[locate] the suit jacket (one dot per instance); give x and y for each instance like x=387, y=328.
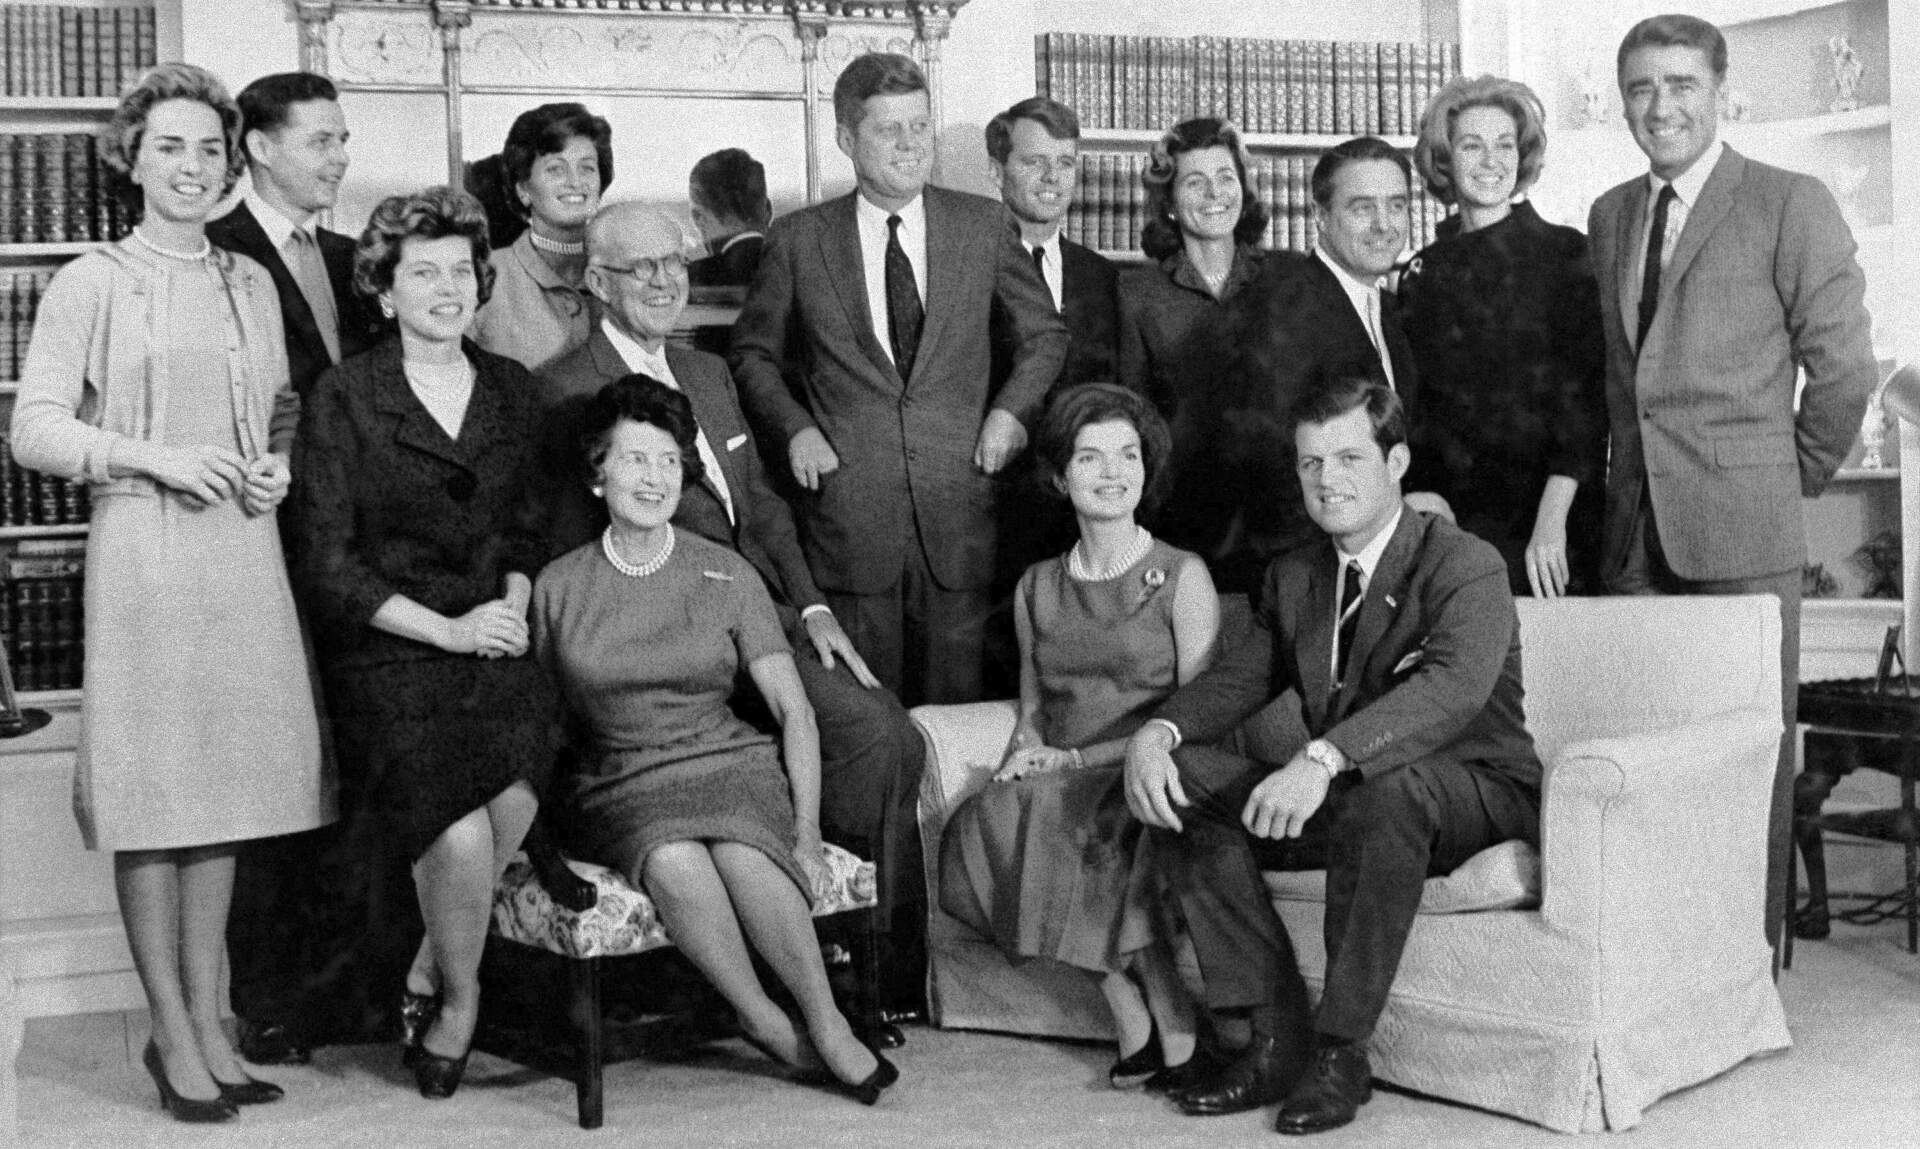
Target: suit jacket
x=386, y=504
x=1235, y=499
x=905, y=445
x=732, y=266
x=762, y=530
x=1437, y=652
x=1763, y=280
x=360, y=327
x=1090, y=306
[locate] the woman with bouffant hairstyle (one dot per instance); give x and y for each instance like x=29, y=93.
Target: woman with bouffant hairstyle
x=157, y=375
x=419, y=533
x=1503, y=315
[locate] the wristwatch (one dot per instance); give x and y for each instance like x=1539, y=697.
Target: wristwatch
x=1327, y=756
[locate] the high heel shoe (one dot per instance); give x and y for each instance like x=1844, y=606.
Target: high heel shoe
x=185, y=1108
x=417, y=1011
x=1139, y=1065
x=868, y=1091
x=438, y=1077
x=249, y=1092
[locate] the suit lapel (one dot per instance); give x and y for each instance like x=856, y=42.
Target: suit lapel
x=1341, y=310
x=1315, y=648
x=1386, y=592
x=840, y=249
x=251, y=241
x=416, y=427
x=1627, y=225
x=944, y=255
x=1716, y=200
x=709, y=410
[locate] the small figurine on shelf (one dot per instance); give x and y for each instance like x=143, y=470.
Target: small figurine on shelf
x=1879, y=560
x=1846, y=74
x=1593, y=94
x=1815, y=582
x=1738, y=107
x=1873, y=431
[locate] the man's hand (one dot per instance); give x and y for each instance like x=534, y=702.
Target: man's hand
x=1152, y=779
x=1283, y=801
x=830, y=640
x=811, y=457
x=1001, y=438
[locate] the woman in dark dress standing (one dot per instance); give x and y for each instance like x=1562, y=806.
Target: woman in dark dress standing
x=1503, y=315
x=419, y=536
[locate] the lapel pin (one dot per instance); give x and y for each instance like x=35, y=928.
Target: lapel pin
x=718, y=576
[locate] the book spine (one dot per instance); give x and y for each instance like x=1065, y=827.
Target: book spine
x=1136, y=202
x=1042, y=83
x=28, y=188
x=53, y=182
x=1324, y=121
x=1369, y=62
x=77, y=155
x=70, y=52
x=146, y=39
x=103, y=59
x=126, y=48
x=9, y=190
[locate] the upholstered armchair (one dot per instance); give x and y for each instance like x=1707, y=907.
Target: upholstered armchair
x=1628, y=962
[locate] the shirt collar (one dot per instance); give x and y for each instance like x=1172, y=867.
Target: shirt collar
x=737, y=237
x=1051, y=247
x=1369, y=556
x=1688, y=184
x=636, y=357
x=913, y=217
x=277, y=226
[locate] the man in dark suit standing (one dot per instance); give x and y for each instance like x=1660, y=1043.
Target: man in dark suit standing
x=728, y=194
x=1233, y=500
x=299, y=930
x=1721, y=281
x=882, y=299
x=1395, y=644
x=871, y=756
x=295, y=137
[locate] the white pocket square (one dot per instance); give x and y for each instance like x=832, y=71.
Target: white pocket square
x=735, y=443
x=1411, y=660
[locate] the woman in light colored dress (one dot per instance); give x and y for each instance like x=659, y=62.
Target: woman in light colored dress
x=158, y=376
x=1043, y=860
x=646, y=629
x=557, y=162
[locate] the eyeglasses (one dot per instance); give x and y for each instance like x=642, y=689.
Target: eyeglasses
x=645, y=270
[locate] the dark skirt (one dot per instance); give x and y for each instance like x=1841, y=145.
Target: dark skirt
x=1049, y=867
x=631, y=806
x=438, y=738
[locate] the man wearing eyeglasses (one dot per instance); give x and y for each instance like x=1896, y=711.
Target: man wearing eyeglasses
x=871, y=755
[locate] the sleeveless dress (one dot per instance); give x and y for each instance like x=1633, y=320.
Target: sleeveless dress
x=1046, y=866
x=649, y=665
x=198, y=722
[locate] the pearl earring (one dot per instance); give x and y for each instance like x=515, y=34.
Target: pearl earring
x=386, y=307
x=599, y=492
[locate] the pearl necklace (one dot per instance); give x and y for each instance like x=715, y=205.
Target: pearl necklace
x=1077, y=561
x=557, y=247
x=206, y=248
x=630, y=570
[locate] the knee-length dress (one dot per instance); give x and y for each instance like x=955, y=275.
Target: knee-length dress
x=198, y=721
x=1046, y=865
x=386, y=503
x=647, y=664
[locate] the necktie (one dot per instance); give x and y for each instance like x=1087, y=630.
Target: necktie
x=904, y=314
x=1040, y=261
x=1351, y=596
x=1650, y=280
x=310, y=272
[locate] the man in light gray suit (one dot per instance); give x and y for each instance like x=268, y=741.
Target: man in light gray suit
x=893, y=427
x=1720, y=279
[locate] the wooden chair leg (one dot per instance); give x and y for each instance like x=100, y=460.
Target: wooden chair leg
x=585, y=975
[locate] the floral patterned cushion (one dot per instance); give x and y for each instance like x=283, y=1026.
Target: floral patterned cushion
x=623, y=920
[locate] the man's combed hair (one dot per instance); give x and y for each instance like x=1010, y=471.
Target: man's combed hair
x=1348, y=388
x=264, y=103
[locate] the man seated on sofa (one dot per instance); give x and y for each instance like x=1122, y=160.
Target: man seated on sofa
x=1398, y=640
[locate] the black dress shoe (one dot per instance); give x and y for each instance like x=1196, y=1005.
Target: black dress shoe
x=1142, y=1063
x=438, y=1077
x=185, y=1109
x=417, y=1011
x=868, y=1090
x=1178, y=1080
x=886, y=1035
x=1259, y=1075
x=1337, y=1084
x=272, y=1043
x=250, y=1092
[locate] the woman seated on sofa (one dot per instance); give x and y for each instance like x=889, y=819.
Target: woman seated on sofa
x=646, y=630
x=1042, y=861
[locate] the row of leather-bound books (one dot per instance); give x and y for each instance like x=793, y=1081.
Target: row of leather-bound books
x=20, y=293
x=69, y=50
x=54, y=189
x=31, y=499
x=1266, y=86
x=1110, y=202
x=41, y=614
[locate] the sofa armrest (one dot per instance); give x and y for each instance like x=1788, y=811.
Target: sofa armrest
x=964, y=746
x=1657, y=838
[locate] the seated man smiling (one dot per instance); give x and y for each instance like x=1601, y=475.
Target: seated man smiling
x=1398, y=637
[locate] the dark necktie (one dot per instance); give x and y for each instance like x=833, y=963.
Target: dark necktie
x=1040, y=262
x=1650, y=280
x=1351, y=596
x=904, y=314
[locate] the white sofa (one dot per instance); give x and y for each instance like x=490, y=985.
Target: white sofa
x=1641, y=971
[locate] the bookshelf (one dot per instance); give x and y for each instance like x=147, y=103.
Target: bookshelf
x=1292, y=99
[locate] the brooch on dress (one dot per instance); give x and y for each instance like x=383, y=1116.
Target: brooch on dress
x=718, y=576
x=1154, y=578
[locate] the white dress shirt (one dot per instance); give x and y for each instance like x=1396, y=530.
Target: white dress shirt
x=654, y=363
x=1052, y=270
x=1365, y=298
x=872, y=222
x=1369, y=560
x=1686, y=193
